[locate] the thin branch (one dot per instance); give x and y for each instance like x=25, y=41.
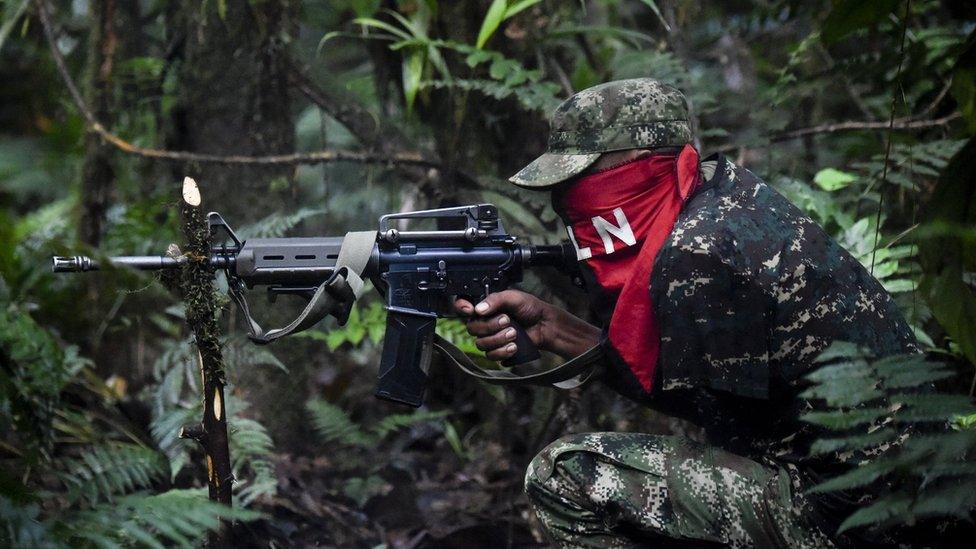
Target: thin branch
x=891, y=123
x=902, y=124
x=360, y=122
x=318, y=157
x=938, y=99
x=194, y=432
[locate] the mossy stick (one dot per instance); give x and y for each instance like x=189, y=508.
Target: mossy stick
x=199, y=296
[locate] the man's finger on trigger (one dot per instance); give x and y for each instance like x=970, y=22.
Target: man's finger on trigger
x=463, y=306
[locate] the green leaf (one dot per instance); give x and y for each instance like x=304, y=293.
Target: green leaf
x=382, y=25
x=361, y=490
x=493, y=18
x=830, y=179
x=519, y=6
x=857, y=477
x=634, y=38
x=454, y=440
x=965, y=422
x=852, y=443
x=933, y=407
x=11, y=20
x=899, y=286
x=954, y=306
x=878, y=512
x=844, y=419
x=657, y=11
x=413, y=70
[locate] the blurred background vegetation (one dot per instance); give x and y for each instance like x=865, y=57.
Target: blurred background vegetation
x=861, y=113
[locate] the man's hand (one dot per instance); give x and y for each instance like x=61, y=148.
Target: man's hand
x=550, y=328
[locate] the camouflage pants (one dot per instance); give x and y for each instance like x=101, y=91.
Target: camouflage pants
x=636, y=490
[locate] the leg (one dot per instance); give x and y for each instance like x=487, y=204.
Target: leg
x=631, y=490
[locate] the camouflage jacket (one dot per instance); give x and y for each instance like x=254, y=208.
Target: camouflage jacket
x=748, y=291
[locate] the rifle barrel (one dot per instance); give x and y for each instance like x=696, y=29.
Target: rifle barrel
x=561, y=256
x=80, y=263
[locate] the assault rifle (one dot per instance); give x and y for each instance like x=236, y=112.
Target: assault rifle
x=419, y=272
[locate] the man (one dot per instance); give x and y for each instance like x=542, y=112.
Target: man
x=716, y=294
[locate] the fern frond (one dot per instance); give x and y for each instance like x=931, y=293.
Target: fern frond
x=845, y=419
x=248, y=439
x=333, y=425
x=277, y=224
x=541, y=96
x=933, y=407
x=20, y=525
x=857, y=477
x=867, y=442
x=263, y=482
x=175, y=518
x=924, y=465
x=35, y=371
x=240, y=353
x=250, y=448
x=165, y=430
x=396, y=422
x=104, y=472
x=882, y=511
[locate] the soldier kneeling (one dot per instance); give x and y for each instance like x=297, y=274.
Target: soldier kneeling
x=715, y=295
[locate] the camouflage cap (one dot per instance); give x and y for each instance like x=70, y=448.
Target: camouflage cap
x=623, y=114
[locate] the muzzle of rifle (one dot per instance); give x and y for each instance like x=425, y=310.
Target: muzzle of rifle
x=81, y=264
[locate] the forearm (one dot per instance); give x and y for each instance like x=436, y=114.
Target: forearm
x=567, y=335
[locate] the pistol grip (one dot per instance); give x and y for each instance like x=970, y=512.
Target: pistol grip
x=526, y=349
x=407, y=348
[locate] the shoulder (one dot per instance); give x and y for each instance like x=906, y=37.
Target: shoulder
x=737, y=223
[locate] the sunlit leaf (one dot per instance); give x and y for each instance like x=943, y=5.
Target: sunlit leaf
x=493, y=18
x=382, y=25
x=830, y=179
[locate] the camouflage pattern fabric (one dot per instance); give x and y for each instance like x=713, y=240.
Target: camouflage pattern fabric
x=639, y=113
x=633, y=490
x=747, y=291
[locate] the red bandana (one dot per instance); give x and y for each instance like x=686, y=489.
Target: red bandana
x=618, y=220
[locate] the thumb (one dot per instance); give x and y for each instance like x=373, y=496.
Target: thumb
x=510, y=301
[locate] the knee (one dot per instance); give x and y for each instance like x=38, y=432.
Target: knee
x=551, y=482
x=542, y=465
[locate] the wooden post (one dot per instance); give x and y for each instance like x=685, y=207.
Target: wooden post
x=197, y=286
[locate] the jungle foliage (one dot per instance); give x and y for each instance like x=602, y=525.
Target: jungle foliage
x=861, y=113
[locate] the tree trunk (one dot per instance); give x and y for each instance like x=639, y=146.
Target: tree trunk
x=233, y=99
x=97, y=174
